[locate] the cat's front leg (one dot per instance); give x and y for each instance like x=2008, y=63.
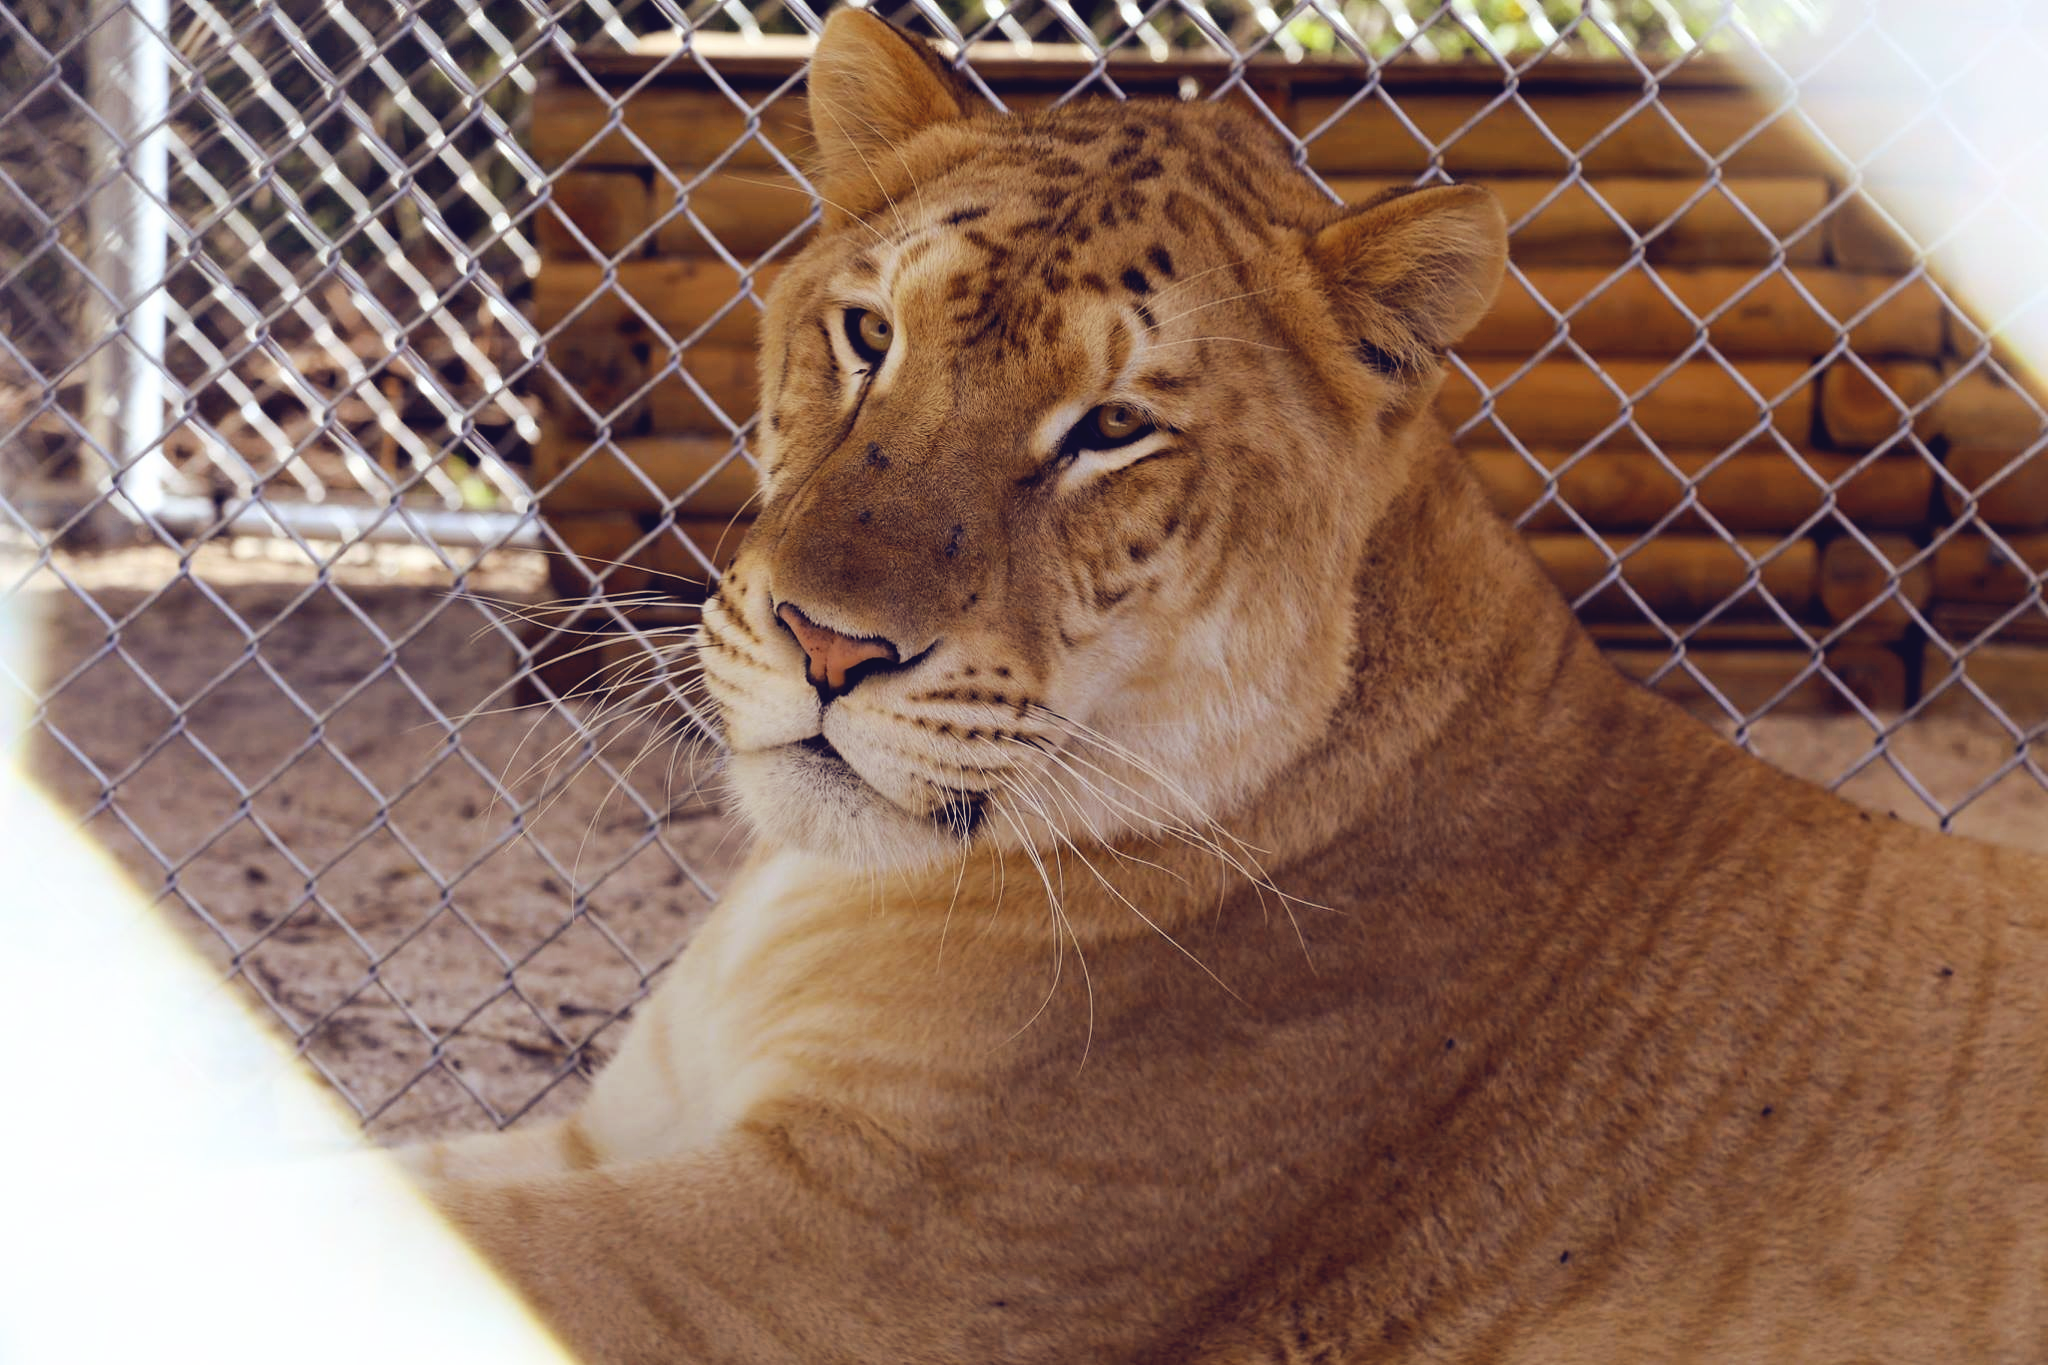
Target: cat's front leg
x=671, y=1086
x=773, y=1245
x=537, y=1149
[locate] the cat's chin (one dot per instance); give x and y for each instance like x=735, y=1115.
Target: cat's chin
x=800, y=798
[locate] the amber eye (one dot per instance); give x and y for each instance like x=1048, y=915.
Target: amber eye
x=1106, y=428
x=1118, y=422
x=869, y=334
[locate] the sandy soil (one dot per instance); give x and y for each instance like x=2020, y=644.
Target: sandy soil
x=378, y=892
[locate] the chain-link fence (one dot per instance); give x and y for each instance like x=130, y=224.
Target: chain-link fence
x=310, y=324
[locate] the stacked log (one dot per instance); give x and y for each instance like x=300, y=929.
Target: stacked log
x=1991, y=559
x=1713, y=392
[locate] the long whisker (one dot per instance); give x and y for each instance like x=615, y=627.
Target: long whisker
x=585, y=734
x=959, y=878
x=1063, y=929
x=1255, y=873
x=657, y=673
x=1172, y=819
x=813, y=194
x=593, y=685
x=916, y=187
x=525, y=604
x=1190, y=341
x=613, y=715
x=624, y=779
x=513, y=681
x=825, y=107
x=1110, y=746
x=1046, y=785
x=637, y=713
x=1181, y=284
x=1095, y=830
x=588, y=559
x=1132, y=906
x=557, y=620
x=1212, y=303
x=718, y=546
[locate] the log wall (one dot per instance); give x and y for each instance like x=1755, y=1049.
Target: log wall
x=1717, y=387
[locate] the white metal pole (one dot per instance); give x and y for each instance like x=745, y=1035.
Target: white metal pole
x=128, y=82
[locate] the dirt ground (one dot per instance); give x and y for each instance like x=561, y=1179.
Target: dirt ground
x=369, y=884
x=368, y=836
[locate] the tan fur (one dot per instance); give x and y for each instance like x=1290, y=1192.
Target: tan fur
x=1515, y=1016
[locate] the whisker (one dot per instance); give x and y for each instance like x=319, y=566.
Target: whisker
x=611, y=715
x=592, y=688
x=826, y=107
x=1130, y=756
x=1181, y=284
x=593, y=559
x=542, y=618
x=1212, y=303
x=624, y=779
x=1094, y=830
x=891, y=144
x=946, y=924
x=1189, y=341
x=596, y=753
x=718, y=546
x=813, y=194
x=513, y=681
x=1061, y=925
x=1255, y=873
x=1131, y=905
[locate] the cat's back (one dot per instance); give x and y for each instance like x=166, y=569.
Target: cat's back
x=1771, y=1083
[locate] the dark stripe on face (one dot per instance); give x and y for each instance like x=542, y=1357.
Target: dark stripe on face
x=831, y=356
x=1135, y=281
x=959, y=216
x=735, y=614
x=1119, y=347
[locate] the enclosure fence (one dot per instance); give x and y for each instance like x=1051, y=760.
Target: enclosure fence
x=361, y=362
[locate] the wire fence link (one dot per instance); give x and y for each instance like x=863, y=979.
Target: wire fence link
x=278, y=352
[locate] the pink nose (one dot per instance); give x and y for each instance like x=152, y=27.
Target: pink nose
x=830, y=656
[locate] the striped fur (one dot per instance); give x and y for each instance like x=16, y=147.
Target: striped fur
x=1515, y=1017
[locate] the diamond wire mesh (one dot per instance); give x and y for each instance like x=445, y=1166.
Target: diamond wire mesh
x=293, y=740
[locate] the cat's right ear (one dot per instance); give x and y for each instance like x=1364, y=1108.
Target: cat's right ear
x=1411, y=273
x=873, y=87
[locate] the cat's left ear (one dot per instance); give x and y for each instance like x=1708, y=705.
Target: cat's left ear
x=872, y=88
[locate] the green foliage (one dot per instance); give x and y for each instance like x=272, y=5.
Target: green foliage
x=1438, y=30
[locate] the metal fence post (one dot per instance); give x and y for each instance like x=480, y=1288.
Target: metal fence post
x=128, y=70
